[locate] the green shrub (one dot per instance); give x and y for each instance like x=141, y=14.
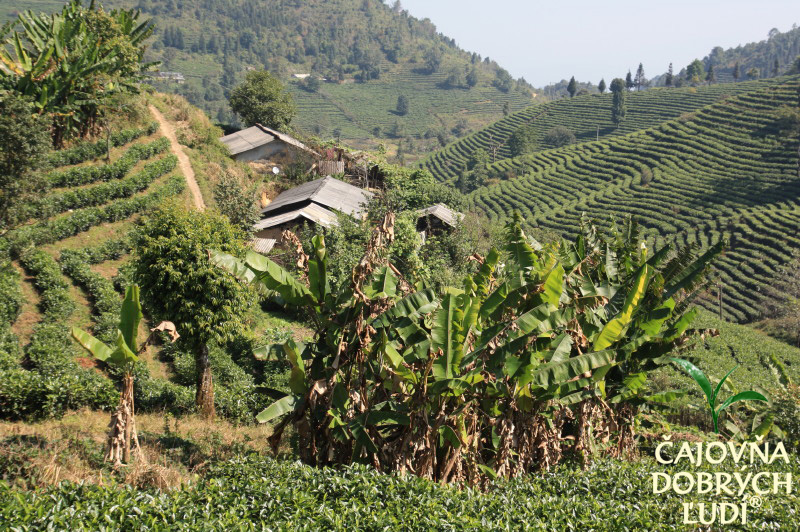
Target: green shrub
x=235, y=494
x=86, y=151
x=10, y=295
x=55, y=301
x=84, y=175
x=60, y=228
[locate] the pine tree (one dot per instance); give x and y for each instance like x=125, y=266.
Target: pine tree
x=168, y=39
x=602, y=86
x=640, y=78
x=629, y=81
x=776, y=68
x=572, y=87
x=737, y=72
x=670, y=77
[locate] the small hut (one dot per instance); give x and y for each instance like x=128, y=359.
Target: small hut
x=436, y=219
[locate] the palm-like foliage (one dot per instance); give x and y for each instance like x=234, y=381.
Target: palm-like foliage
x=123, y=357
x=713, y=395
x=546, y=352
x=74, y=62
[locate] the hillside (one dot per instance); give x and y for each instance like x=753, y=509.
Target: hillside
x=586, y=116
x=780, y=47
x=370, y=52
x=720, y=172
x=71, y=268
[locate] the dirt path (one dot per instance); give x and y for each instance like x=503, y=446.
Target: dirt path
x=183, y=161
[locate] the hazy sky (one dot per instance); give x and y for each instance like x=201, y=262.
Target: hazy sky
x=548, y=41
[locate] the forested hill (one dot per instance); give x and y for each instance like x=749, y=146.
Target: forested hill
x=771, y=57
x=372, y=53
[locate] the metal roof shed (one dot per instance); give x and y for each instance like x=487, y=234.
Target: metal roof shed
x=327, y=192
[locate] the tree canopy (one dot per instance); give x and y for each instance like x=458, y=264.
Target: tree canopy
x=179, y=284
x=263, y=99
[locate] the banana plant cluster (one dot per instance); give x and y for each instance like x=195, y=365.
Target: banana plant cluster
x=74, y=63
x=543, y=351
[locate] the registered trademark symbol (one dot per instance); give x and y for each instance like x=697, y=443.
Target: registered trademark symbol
x=755, y=501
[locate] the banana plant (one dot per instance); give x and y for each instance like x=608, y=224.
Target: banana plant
x=713, y=395
x=73, y=63
x=477, y=380
x=122, y=356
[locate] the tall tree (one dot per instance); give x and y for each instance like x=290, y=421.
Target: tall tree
x=433, y=59
x=178, y=283
x=711, y=76
x=737, y=72
x=670, y=77
x=572, y=87
x=695, y=72
x=776, y=68
x=262, y=99
x=629, y=81
x=522, y=141
x=795, y=68
x=472, y=78
x=506, y=108
x=618, y=106
x=602, y=86
x=754, y=73
x=640, y=80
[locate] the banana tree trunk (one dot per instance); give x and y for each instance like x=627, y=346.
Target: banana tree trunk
x=204, y=396
x=122, y=427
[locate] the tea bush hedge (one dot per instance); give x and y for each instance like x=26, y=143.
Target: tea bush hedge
x=258, y=493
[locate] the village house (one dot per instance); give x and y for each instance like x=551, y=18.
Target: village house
x=317, y=202
x=259, y=143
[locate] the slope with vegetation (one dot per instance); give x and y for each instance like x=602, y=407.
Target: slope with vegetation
x=369, y=52
x=586, y=116
x=724, y=172
x=768, y=58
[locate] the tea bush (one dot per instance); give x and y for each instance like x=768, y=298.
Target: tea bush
x=254, y=492
x=86, y=151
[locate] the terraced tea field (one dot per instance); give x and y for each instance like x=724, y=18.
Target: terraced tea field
x=69, y=253
x=722, y=172
x=586, y=116
x=358, y=109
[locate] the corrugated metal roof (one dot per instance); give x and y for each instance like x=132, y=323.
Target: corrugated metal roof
x=246, y=140
x=258, y=135
x=442, y=212
x=312, y=212
x=287, y=139
x=328, y=192
x=263, y=245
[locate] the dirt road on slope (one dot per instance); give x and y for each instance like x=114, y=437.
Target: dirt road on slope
x=183, y=161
